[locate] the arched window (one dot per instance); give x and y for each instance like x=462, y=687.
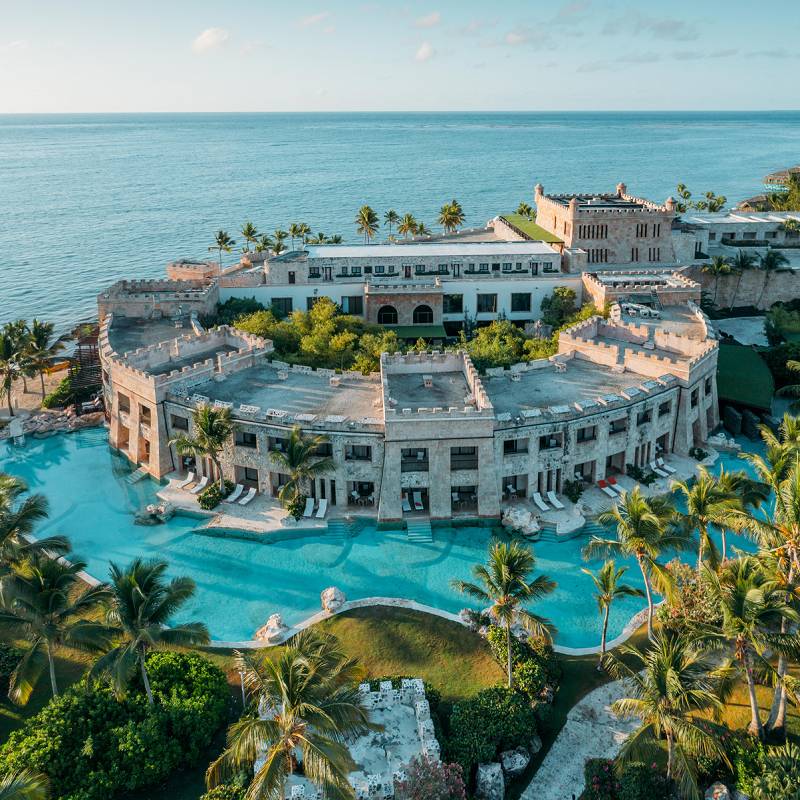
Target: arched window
x=387, y=315
x=423, y=315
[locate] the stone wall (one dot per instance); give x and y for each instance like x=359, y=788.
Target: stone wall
x=749, y=291
x=156, y=299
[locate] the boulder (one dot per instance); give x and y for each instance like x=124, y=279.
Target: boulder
x=514, y=762
x=274, y=629
x=332, y=599
x=535, y=744
x=489, y=782
x=520, y=519
x=717, y=791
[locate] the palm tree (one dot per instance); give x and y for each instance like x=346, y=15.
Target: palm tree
x=336, y=239
x=752, y=604
x=717, y=266
x=391, y=218
x=670, y=683
x=278, y=247
x=770, y=262
x=525, y=210
x=249, y=233
x=607, y=582
x=9, y=366
x=142, y=604
x=303, y=707
x=294, y=232
x=279, y=235
x=408, y=225
x=791, y=389
x=305, y=230
x=743, y=262
x=46, y=603
x=212, y=429
x=422, y=230
x=301, y=463
x=222, y=241
x=18, y=521
x=264, y=244
x=458, y=213
x=707, y=504
x=447, y=217
x=42, y=348
x=505, y=583
x=25, y=785
x=645, y=530
x=366, y=223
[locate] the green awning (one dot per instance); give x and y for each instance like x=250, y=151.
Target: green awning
x=419, y=331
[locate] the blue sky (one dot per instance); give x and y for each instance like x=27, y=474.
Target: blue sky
x=272, y=55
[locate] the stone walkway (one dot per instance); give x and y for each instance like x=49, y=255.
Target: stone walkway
x=591, y=731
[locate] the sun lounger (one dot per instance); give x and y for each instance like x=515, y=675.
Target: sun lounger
x=189, y=479
x=235, y=494
x=614, y=486
x=323, y=507
x=660, y=472
x=200, y=486
x=537, y=499
x=418, y=501
x=666, y=467
x=606, y=489
x=251, y=493
x=557, y=504
x=309, y=509
x=406, y=504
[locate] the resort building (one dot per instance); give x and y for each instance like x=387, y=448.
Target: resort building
x=427, y=433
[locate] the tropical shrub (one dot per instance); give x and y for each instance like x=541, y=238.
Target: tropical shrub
x=691, y=603
x=635, y=781
x=747, y=756
x=558, y=307
x=530, y=677
x=60, y=396
x=780, y=779
x=296, y=506
x=235, y=307
x=644, y=476
x=698, y=454
x=600, y=783
x=225, y=791
x=482, y=726
x=92, y=745
x=9, y=658
x=534, y=649
x=212, y=496
x=431, y=780
x=573, y=490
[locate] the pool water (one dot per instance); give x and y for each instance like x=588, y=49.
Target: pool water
x=241, y=582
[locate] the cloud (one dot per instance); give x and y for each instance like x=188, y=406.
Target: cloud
x=17, y=44
x=429, y=20
x=664, y=28
x=210, y=39
x=425, y=52
x=524, y=35
x=314, y=19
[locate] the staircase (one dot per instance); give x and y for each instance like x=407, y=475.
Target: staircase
x=419, y=531
x=338, y=530
x=137, y=475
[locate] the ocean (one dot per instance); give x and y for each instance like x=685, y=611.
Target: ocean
x=88, y=199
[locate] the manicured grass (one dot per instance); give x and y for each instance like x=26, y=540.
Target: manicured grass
x=535, y=232
x=744, y=378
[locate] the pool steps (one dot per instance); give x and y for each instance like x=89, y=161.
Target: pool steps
x=137, y=475
x=419, y=530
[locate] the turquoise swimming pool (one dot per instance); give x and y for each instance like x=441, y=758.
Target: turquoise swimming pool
x=241, y=582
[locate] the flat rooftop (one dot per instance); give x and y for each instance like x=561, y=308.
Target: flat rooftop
x=583, y=381
x=131, y=334
x=609, y=201
x=408, y=389
x=300, y=393
x=450, y=249
x=530, y=230
x=674, y=319
x=739, y=217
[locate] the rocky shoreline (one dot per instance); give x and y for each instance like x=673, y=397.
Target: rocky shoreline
x=44, y=422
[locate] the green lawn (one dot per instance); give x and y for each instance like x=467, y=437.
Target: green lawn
x=530, y=229
x=743, y=377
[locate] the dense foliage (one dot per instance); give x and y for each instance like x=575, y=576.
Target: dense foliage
x=9, y=658
x=690, y=603
x=535, y=662
x=226, y=791
x=431, y=780
x=64, y=394
x=780, y=779
x=212, y=495
x=559, y=307
x=92, y=745
x=482, y=726
x=635, y=781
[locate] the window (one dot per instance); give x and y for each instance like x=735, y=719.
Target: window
x=618, y=425
x=712, y=236
x=587, y=434
x=453, y=304
x=291, y=276
x=657, y=229
x=534, y=265
x=355, y=271
x=521, y=301
x=463, y=458
x=643, y=417
x=353, y=304
x=664, y=408
x=379, y=270
x=179, y=423
x=707, y=387
x=695, y=397
x=246, y=439
x=144, y=414
x=311, y=302
x=634, y=253
x=511, y=446
x=277, y=444
x=771, y=235
x=283, y=305
x=251, y=474
x=496, y=267
x=641, y=230
x=324, y=450
x=387, y=315
x=358, y=452
x=344, y=272
x=551, y=441
x=487, y=303
x=749, y=235
x=549, y=266
x=443, y=269
x=313, y=272
x=654, y=253
x=419, y=269
x=414, y=459
x=483, y=267
x=507, y=266
x=124, y=403
x=423, y=315
x=518, y=266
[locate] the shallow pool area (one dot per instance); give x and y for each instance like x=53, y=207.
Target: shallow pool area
x=241, y=582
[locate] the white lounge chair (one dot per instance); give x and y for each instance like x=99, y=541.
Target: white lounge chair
x=406, y=504
x=235, y=494
x=309, y=509
x=418, y=501
x=322, y=509
x=251, y=493
x=606, y=489
x=200, y=486
x=189, y=479
x=658, y=471
x=537, y=498
x=557, y=504
x=666, y=467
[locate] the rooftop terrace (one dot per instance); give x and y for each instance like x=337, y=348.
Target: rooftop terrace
x=609, y=201
x=448, y=389
x=126, y=335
